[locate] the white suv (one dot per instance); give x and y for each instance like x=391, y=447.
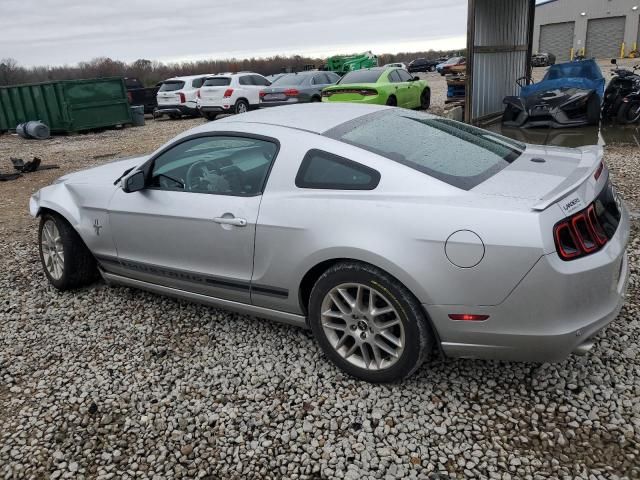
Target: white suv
x=177, y=96
x=230, y=93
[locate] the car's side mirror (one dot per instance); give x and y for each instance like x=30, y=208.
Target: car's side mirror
x=614, y=61
x=133, y=183
x=415, y=79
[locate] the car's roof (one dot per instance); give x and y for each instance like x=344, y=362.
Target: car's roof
x=188, y=77
x=313, y=117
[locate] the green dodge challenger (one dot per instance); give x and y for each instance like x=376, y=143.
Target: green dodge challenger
x=380, y=86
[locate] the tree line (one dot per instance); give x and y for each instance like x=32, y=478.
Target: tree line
x=151, y=72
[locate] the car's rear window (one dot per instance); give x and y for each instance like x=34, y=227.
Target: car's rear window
x=171, y=86
x=290, y=79
x=362, y=76
x=456, y=153
x=217, y=82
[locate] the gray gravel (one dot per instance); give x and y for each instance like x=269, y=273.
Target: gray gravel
x=117, y=383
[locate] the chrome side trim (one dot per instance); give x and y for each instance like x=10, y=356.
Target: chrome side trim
x=278, y=316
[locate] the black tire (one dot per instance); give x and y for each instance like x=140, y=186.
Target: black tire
x=392, y=101
x=510, y=113
x=417, y=333
x=174, y=116
x=432, y=69
x=315, y=99
x=79, y=266
x=209, y=116
x=593, y=110
x=238, y=108
x=425, y=99
x=629, y=113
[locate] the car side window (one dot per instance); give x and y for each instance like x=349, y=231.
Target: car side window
x=404, y=75
x=197, y=83
x=394, y=77
x=260, y=81
x=323, y=170
x=246, y=80
x=318, y=79
x=222, y=165
x=332, y=77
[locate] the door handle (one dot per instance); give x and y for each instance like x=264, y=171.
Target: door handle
x=236, y=222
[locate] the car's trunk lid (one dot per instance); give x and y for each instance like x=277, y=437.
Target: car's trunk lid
x=543, y=176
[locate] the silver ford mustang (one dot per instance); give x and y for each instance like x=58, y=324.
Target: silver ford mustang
x=390, y=233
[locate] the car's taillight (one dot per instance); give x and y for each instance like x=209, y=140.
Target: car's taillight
x=599, y=171
x=130, y=97
x=228, y=92
x=262, y=93
x=182, y=97
x=291, y=92
x=580, y=234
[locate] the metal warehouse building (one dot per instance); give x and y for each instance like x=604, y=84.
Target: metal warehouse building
x=594, y=28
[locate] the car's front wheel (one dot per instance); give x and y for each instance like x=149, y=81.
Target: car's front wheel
x=368, y=324
x=66, y=260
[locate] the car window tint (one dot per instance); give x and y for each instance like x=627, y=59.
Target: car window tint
x=171, y=86
x=217, y=82
x=290, y=79
x=404, y=75
x=319, y=79
x=394, y=77
x=260, y=81
x=362, y=76
x=333, y=78
x=456, y=153
x=223, y=165
x=197, y=83
x=324, y=170
x=246, y=80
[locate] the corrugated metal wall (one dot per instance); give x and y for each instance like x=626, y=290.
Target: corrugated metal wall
x=499, y=49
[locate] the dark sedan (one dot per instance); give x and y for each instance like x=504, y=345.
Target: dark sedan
x=422, y=65
x=295, y=88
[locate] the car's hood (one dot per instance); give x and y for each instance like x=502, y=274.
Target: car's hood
x=555, y=97
x=103, y=174
x=543, y=174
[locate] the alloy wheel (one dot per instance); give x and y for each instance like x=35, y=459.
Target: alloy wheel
x=52, y=249
x=362, y=326
x=242, y=107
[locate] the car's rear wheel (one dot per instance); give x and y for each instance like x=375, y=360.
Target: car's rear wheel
x=368, y=324
x=241, y=107
x=432, y=69
x=629, y=113
x=425, y=99
x=392, y=101
x=315, y=99
x=66, y=260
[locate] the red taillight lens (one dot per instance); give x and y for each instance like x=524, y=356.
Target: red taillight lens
x=468, y=317
x=182, y=98
x=291, y=92
x=262, y=93
x=228, y=92
x=365, y=92
x=599, y=171
x=580, y=234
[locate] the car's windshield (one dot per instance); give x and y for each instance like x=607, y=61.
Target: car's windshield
x=362, y=76
x=290, y=79
x=456, y=153
x=171, y=86
x=217, y=82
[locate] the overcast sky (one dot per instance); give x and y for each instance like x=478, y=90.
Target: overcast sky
x=56, y=32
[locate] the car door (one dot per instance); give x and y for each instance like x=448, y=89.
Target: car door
x=411, y=89
x=400, y=87
x=193, y=225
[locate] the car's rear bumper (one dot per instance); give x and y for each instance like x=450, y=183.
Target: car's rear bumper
x=174, y=110
x=554, y=311
x=215, y=108
x=280, y=103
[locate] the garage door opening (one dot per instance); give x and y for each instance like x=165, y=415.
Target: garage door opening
x=557, y=38
x=605, y=37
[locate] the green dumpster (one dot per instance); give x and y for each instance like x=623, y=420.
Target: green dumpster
x=67, y=105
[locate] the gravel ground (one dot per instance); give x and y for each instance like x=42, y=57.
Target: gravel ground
x=117, y=383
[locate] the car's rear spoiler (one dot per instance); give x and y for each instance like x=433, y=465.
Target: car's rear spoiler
x=591, y=158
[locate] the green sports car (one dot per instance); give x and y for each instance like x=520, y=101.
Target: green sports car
x=380, y=86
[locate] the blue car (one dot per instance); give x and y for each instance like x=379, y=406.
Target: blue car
x=569, y=95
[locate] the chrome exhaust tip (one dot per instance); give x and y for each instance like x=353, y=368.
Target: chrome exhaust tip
x=584, y=348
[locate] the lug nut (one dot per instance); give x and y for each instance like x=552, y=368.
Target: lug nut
x=353, y=327
x=363, y=335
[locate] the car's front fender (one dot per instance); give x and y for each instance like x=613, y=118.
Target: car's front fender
x=56, y=198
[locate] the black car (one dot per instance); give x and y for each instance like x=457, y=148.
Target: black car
x=422, y=65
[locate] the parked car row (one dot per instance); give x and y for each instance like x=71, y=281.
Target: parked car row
x=233, y=93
